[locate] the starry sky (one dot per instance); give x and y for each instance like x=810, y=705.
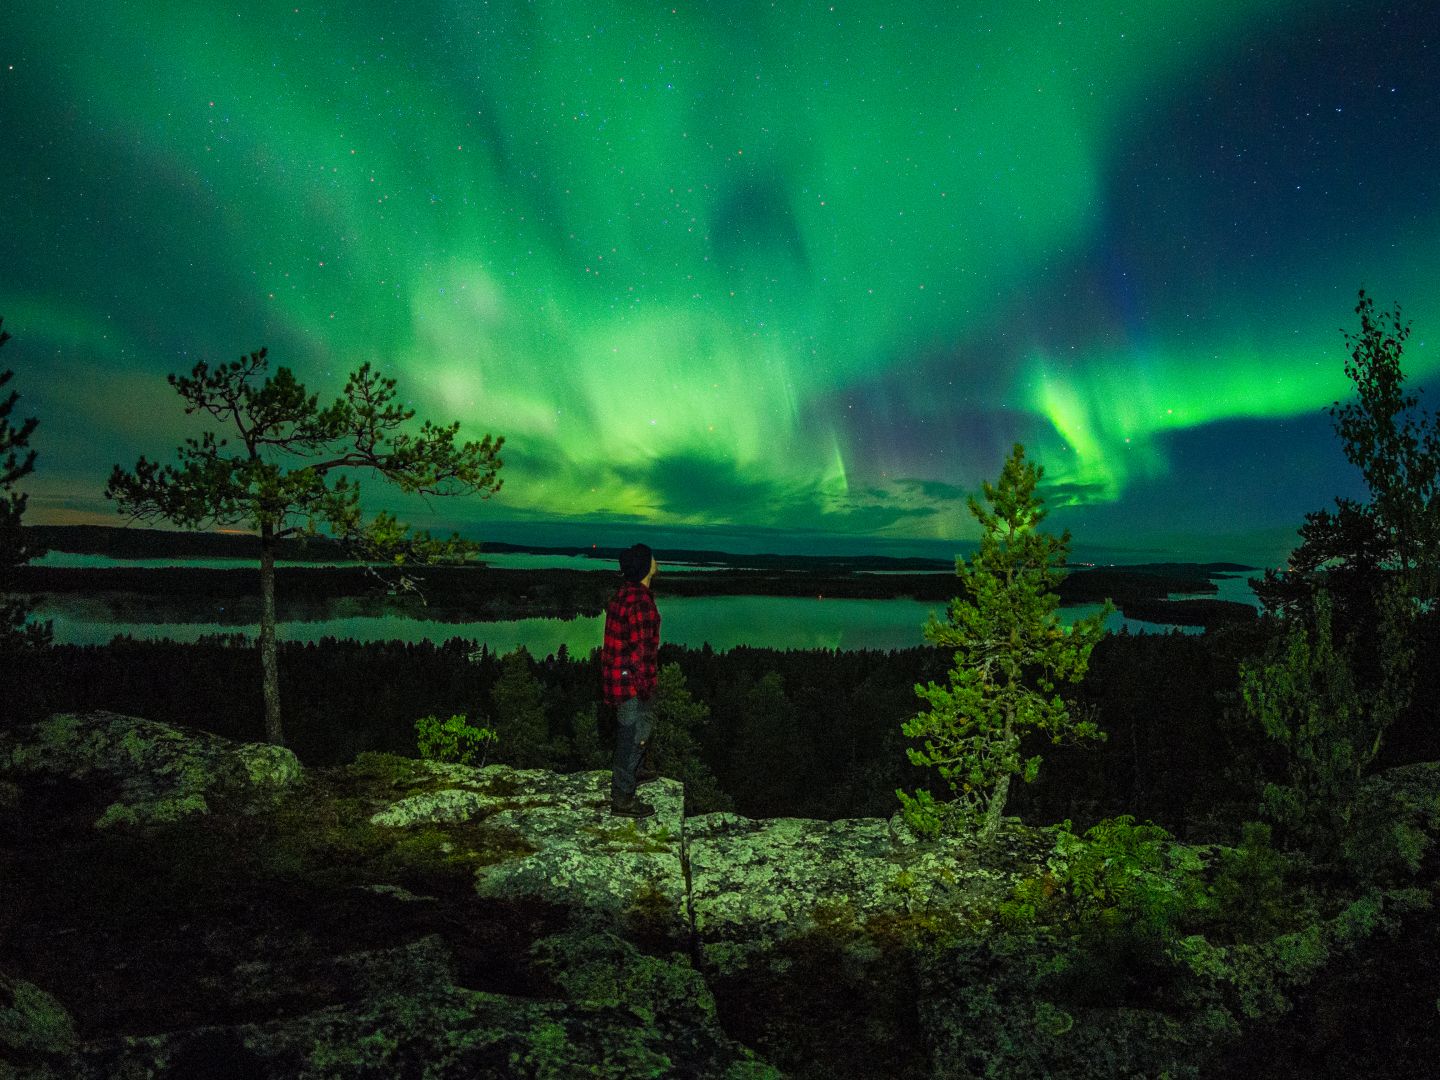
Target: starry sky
x=760, y=276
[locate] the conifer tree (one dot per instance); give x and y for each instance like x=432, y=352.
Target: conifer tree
x=249, y=486
x=15, y=551
x=1341, y=671
x=675, y=742
x=519, y=713
x=1362, y=549
x=1329, y=731
x=1011, y=653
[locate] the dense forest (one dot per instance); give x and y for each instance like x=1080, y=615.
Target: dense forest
x=795, y=733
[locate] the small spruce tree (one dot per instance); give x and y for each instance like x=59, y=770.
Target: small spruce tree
x=1011, y=653
x=1329, y=730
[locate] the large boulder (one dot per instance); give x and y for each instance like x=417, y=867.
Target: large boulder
x=153, y=773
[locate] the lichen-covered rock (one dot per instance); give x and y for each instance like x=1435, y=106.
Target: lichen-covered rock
x=159, y=773
x=561, y=842
x=398, y=917
x=621, y=1014
x=32, y=1023
x=588, y=857
x=755, y=883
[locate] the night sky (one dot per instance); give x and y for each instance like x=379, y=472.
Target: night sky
x=784, y=276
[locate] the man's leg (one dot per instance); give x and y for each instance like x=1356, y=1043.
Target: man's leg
x=632, y=728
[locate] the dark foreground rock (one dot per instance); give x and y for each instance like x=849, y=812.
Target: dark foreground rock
x=172, y=905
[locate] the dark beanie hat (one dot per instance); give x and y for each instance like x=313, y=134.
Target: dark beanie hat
x=635, y=562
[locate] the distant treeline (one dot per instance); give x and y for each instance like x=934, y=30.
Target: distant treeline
x=135, y=543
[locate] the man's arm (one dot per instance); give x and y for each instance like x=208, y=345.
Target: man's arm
x=647, y=631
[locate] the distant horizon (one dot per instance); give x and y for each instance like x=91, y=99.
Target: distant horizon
x=1246, y=551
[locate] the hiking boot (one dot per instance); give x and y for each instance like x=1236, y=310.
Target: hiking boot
x=631, y=807
x=644, y=774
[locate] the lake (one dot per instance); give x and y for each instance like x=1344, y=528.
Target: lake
x=724, y=622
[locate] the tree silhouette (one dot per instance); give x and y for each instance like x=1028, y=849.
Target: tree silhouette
x=1360, y=549
x=14, y=550
x=248, y=486
x=518, y=713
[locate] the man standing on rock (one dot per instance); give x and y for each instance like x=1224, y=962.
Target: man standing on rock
x=628, y=666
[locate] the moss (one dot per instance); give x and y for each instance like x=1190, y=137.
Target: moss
x=159, y=811
x=451, y=850
x=651, y=905
x=31, y=1021
x=599, y=969
x=1051, y=1020
x=629, y=837
x=136, y=748
x=377, y=768
x=501, y=786
x=269, y=768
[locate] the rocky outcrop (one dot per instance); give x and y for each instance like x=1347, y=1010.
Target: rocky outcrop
x=156, y=773
x=754, y=884
x=565, y=845
x=403, y=917
x=619, y=1014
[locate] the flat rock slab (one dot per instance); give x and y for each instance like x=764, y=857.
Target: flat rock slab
x=755, y=883
x=566, y=846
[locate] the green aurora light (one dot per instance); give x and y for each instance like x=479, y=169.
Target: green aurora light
x=802, y=267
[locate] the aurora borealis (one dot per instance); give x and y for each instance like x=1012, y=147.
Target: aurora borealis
x=787, y=275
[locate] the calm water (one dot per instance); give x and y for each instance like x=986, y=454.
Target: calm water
x=724, y=622
x=775, y=622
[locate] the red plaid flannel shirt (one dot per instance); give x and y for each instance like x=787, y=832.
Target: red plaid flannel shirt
x=632, y=638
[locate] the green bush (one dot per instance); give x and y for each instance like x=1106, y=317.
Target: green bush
x=1253, y=900
x=1128, y=886
x=1118, y=878
x=452, y=740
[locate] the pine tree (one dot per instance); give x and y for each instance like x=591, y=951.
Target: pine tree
x=214, y=486
x=1011, y=652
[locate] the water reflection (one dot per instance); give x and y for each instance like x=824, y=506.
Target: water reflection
x=724, y=622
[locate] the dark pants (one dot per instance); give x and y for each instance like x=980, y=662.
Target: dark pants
x=636, y=719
